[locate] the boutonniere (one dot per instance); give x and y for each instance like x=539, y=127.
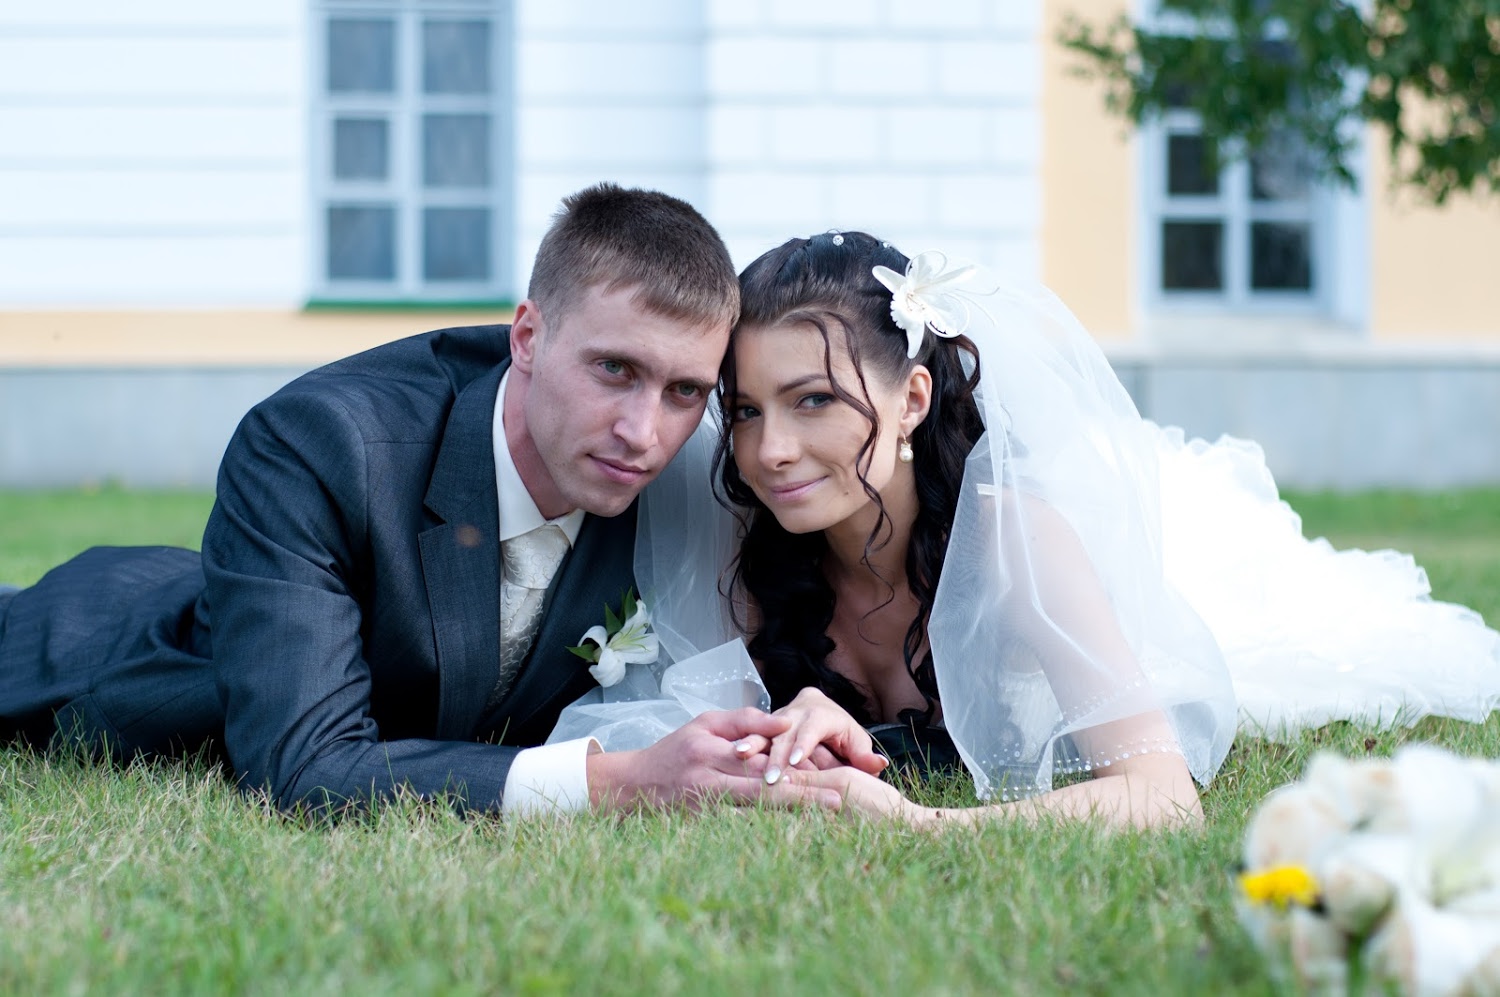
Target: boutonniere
x=625, y=638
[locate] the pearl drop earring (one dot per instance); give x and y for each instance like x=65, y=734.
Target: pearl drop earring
x=904, y=452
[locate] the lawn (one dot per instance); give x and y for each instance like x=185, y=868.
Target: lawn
x=161, y=878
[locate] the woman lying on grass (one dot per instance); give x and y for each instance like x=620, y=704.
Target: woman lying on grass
x=959, y=535
x=999, y=593
x=904, y=567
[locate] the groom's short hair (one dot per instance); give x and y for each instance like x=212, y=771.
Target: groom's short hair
x=622, y=237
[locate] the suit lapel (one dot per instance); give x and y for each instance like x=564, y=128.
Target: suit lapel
x=461, y=559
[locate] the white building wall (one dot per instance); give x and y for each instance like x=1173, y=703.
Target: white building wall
x=917, y=122
x=605, y=91
x=155, y=153
x=152, y=153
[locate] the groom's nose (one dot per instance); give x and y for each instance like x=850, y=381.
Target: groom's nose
x=637, y=420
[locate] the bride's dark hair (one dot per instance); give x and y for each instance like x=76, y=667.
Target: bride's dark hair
x=826, y=281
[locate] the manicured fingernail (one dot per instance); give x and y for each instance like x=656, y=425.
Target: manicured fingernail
x=742, y=746
x=772, y=774
x=796, y=757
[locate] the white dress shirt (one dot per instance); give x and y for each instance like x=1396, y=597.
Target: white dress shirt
x=553, y=777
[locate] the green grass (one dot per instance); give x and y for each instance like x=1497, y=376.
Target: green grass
x=39, y=530
x=161, y=878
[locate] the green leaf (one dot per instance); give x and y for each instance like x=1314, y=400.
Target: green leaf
x=612, y=623
x=1316, y=71
x=587, y=652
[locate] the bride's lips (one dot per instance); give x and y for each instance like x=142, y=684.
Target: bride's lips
x=623, y=474
x=793, y=492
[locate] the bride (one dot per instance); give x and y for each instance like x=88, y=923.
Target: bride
x=950, y=532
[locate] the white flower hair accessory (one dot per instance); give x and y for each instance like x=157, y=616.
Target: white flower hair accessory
x=624, y=639
x=924, y=298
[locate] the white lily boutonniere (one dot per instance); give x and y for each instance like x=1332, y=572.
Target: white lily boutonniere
x=923, y=298
x=624, y=639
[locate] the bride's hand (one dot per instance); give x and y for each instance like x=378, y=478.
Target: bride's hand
x=822, y=736
x=862, y=793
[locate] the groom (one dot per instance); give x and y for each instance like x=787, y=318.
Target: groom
x=403, y=546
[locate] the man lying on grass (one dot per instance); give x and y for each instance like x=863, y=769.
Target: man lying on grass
x=404, y=545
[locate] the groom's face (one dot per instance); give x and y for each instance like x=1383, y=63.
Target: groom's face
x=613, y=391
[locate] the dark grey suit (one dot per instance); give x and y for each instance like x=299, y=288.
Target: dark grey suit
x=339, y=635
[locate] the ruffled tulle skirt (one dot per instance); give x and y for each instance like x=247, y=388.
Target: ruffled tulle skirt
x=1311, y=634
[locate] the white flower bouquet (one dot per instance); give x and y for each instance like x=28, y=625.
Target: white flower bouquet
x=1376, y=875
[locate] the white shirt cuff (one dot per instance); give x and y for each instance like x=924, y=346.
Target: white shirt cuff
x=553, y=778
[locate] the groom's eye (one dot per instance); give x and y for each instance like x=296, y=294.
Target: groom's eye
x=613, y=368
x=689, y=392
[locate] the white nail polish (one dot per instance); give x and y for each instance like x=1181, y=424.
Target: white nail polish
x=772, y=774
x=796, y=757
x=742, y=746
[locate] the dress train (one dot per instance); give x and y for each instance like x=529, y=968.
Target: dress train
x=1311, y=634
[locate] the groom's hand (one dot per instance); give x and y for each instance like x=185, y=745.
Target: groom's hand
x=698, y=762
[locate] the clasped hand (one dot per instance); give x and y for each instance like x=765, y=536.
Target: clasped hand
x=823, y=747
x=820, y=735
x=808, y=752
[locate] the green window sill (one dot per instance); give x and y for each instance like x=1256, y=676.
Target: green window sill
x=341, y=305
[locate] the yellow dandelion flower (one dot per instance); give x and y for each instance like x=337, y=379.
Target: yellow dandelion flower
x=1283, y=886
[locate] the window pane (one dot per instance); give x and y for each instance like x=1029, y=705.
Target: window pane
x=361, y=56
x=1192, y=256
x=1280, y=256
x=456, y=57
x=1276, y=50
x=1179, y=95
x=456, y=150
x=1279, y=171
x=1188, y=171
x=456, y=244
x=362, y=243
x=360, y=149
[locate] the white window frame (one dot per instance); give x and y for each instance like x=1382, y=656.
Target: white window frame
x=403, y=188
x=1234, y=208
x=1338, y=256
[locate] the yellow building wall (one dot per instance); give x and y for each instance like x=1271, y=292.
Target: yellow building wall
x=1434, y=272
x=1088, y=185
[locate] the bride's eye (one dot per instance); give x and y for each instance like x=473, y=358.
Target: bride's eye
x=742, y=412
x=815, y=400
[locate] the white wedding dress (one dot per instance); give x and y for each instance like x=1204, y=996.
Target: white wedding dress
x=1100, y=569
x=1311, y=634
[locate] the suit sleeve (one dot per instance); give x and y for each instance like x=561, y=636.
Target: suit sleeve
x=283, y=555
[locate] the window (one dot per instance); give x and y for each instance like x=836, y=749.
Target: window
x=1253, y=236
x=1247, y=236
x=411, y=140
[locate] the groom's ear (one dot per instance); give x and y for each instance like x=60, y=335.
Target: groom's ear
x=525, y=329
x=918, y=399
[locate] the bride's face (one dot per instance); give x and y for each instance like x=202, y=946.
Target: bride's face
x=796, y=443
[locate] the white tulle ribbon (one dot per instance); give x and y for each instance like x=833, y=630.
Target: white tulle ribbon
x=924, y=297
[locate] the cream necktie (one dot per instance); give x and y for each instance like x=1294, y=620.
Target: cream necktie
x=530, y=561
